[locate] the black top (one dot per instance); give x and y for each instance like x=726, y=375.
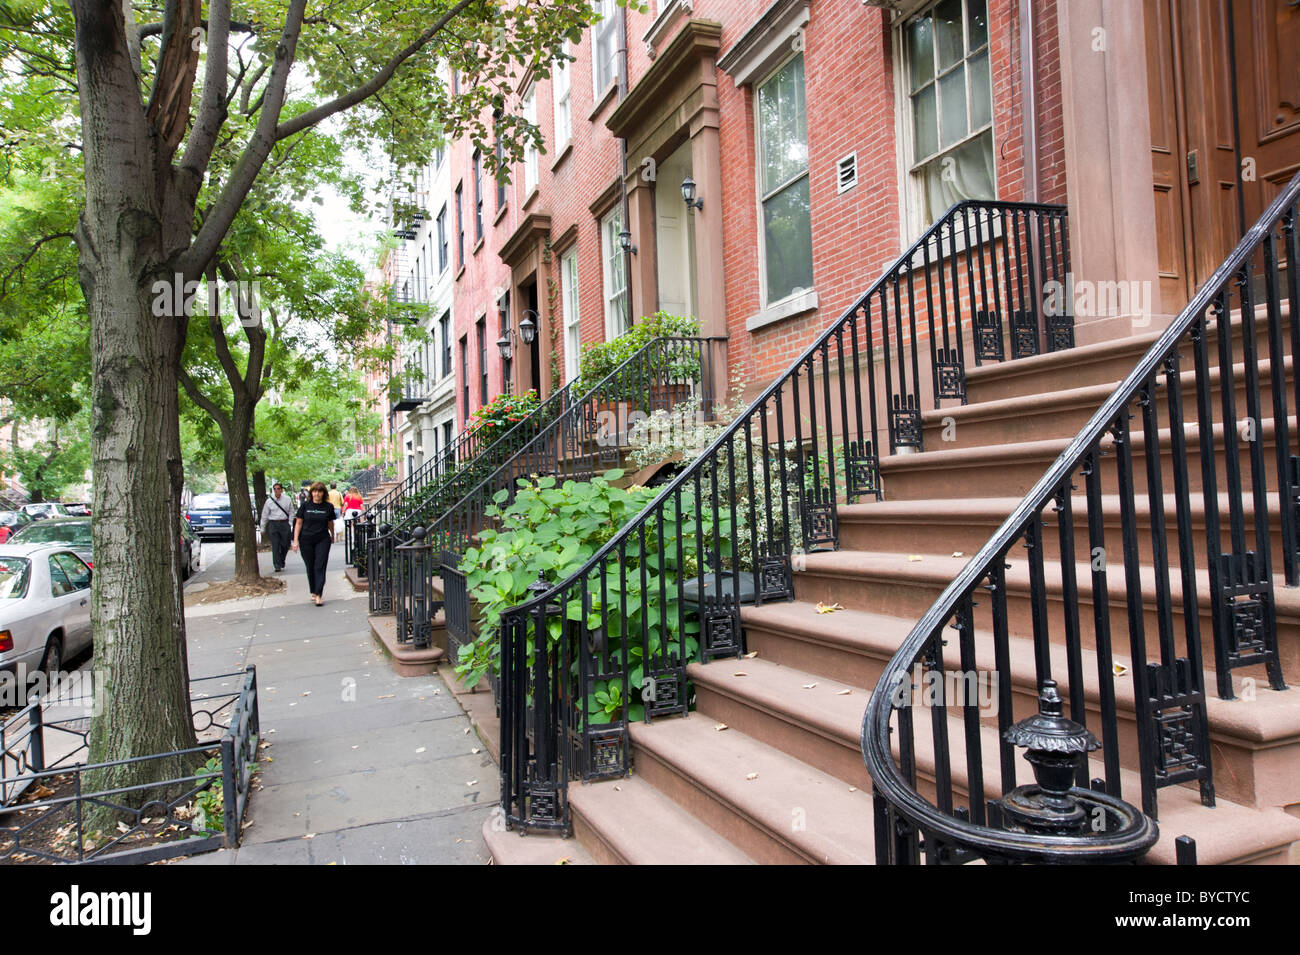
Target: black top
x=315, y=520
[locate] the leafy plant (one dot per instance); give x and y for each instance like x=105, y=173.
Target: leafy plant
x=209, y=803
x=600, y=360
x=503, y=412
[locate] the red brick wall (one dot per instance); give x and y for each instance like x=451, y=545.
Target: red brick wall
x=850, y=94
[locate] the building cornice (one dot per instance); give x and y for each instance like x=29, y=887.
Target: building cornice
x=766, y=42
x=698, y=39
x=534, y=229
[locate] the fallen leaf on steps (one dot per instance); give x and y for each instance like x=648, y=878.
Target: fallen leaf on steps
x=853, y=789
x=828, y=608
x=720, y=727
x=913, y=557
x=1120, y=669
x=958, y=553
x=740, y=673
x=471, y=782
x=420, y=750
x=751, y=654
x=843, y=692
x=563, y=860
x=752, y=776
x=386, y=696
x=809, y=686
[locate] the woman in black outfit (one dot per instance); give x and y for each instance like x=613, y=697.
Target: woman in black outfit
x=314, y=530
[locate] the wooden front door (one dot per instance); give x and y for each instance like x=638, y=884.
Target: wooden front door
x=1217, y=163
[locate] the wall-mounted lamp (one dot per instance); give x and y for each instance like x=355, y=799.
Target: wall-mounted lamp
x=503, y=345
x=688, y=193
x=625, y=242
x=528, y=327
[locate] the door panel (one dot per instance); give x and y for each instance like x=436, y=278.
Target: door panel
x=1268, y=69
x=1167, y=157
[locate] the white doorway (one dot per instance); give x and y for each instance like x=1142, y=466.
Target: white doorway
x=674, y=235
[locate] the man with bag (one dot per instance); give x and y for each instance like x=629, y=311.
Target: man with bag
x=276, y=513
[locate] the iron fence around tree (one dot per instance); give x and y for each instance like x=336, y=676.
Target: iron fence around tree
x=1164, y=410
x=609, y=645
x=224, y=719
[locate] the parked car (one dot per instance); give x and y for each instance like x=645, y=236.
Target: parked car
x=78, y=508
x=45, y=510
x=11, y=522
x=191, y=550
x=44, y=606
x=209, y=516
x=71, y=532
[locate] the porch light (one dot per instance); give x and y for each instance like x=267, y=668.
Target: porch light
x=503, y=345
x=688, y=193
x=625, y=242
x=528, y=327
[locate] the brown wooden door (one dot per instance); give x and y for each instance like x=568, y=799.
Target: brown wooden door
x=1202, y=194
x=1268, y=98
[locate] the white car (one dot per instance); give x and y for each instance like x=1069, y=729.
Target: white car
x=44, y=606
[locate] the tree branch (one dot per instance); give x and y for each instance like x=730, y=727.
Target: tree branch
x=4, y=283
x=314, y=116
x=238, y=26
x=203, y=401
x=212, y=105
x=222, y=347
x=195, y=260
x=178, y=62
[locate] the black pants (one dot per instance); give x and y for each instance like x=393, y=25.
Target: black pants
x=316, y=555
x=280, y=537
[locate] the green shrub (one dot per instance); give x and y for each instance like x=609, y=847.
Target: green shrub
x=600, y=359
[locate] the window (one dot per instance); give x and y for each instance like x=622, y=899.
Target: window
x=615, y=276
x=783, y=183
x=60, y=585
x=604, y=48
x=460, y=232
x=482, y=361
x=560, y=89
x=78, y=573
x=503, y=329
x=444, y=330
x=439, y=154
x=501, y=182
x=464, y=373
x=530, y=150
x=442, y=240
x=446, y=434
x=569, y=305
x=946, y=73
x=478, y=196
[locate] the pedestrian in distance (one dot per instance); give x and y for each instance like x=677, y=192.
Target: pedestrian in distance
x=336, y=499
x=313, y=532
x=353, y=504
x=276, y=517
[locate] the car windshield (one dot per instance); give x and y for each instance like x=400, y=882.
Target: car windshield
x=210, y=502
x=14, y=572
x=74, y=534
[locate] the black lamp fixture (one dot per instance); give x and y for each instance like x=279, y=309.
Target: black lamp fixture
x=625, y=242
x=688, y=193
x=528, y=327
x=503, y=345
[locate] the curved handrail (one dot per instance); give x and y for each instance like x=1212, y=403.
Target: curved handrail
x=889, y=781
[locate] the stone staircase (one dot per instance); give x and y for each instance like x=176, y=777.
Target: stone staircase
x=768, y=768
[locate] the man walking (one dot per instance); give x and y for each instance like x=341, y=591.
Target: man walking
x=336, y=498
x=276, y=513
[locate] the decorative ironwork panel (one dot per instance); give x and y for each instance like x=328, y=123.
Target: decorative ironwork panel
x=667, y=694
x=1181, y=728
x=950, y=374
x=905, y=422
x=988, y=336
x=775, y=577
x=1060, y=332
x=820, y=525
x=862, y=470
x=1249, y=634
x=1024, y=334
x=543, y=803
x=606, y=754
x=721, y=633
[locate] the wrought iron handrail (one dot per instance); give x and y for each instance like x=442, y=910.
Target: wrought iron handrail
x=713, y=559
x=1171, y=691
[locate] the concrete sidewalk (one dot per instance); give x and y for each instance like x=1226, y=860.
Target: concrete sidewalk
x=364, y=766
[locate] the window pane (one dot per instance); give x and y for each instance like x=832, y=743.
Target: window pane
x=782, y=126
x=981, y=95
x=947, y=33
x=977, y=25
x=964, y=173
x=925, y=124
x=787, y=234
x=952, y=103
x=920, y=52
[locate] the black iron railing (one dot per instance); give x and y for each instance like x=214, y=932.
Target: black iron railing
x=667, y=589
x=161, y=809
x=925, y=804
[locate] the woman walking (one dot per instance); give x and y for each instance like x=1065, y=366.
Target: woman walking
x=313, y=530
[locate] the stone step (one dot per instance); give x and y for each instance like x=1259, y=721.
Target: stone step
x=773, y=807
x=895, y=584
x=1062, y=413
x=537, y=848
x=1015, y=468
x=947, y=525
x=1256, y=741
x=630, y=822
x=775, y=705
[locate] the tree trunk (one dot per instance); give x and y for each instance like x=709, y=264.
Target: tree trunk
x=131, y=226
x=259, y=492
x=241, y=510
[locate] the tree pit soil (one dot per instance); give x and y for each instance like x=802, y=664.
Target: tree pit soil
x=224, y=590
x=53, y=830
